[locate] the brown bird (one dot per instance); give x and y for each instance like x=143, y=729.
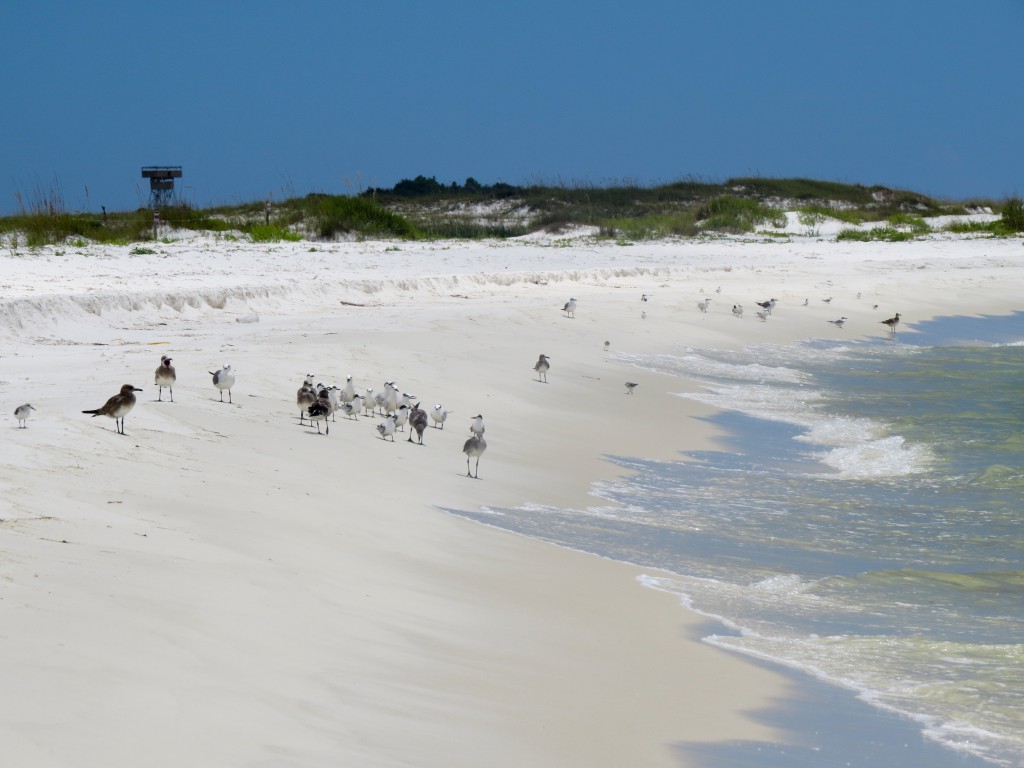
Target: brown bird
x=475, y=446
x=118, y=406
x=892, y=322
x=418, y=421
x=541, y=367
x=165, y=377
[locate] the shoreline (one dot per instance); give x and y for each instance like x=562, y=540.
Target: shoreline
x=476, y=647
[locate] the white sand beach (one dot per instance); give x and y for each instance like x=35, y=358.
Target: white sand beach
x=223, y=587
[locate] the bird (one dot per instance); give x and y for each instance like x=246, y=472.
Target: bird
x=806, y=302
x=304, y=398
x=703, y=305
x=892, y=322
x=630, y=386
x=352, y=408
x=401, y=416
x=570, y=308
x=838, y=323
x=643, y=297
x=318, y=411
x=541, y=367
x=21, y=414
x=737, y=309
x=439, y=413
x=165, y=377
x=476, y=426
x=828, y=300
x=474, y=446
x=387, y=428
x=347, y=392
x=643, y=315
x=763, y=314
x=418, y=422
x=768, y=306
x=606, y=345
x=118, y=406
x=224, y=379
x=369, y=404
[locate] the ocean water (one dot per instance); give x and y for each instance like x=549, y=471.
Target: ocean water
x=862, y=522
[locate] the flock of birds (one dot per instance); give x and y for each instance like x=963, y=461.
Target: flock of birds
x=319, y=402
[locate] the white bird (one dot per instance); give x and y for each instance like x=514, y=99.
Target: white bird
x=541, y=367
x=346, y=393
x=570, y=308
x=21, y=413
x=439, y=413
x=352, y=408
x=390, y=397
x=703, y=305
x=474, y=446
x=165, y=377
x=406, y=399
x=402, y=417
x=838, y=323
x=387, y=428
x=768, y=306
x=380, y=399
x=224, y=379
x=476, y=426
x=737, y=309
x=334, y=399
x=643, y=315
x=118, y=406
x=763, y=314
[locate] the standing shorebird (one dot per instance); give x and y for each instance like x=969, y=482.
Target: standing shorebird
x=570, y=308
x=387, y=428
x=703, y=305
x=767, y=306
x=304, y=398
x=892, y=322
x=737, y=309
x=319, y=411
x=838, y=323
x=224, y=379
x=476, y=426
x=347, y=392
x=165, y=377
x=418, y=422
x=541, y=367
x=439, y=413
x=118, y=406
x=763, y=314
x=475, y=446
x=21, y=414
x=630, y=386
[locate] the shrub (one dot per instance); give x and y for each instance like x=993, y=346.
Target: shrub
x=736, y=214
x=271, y=233
x=1013, y=215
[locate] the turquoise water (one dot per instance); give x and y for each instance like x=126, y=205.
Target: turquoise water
x=861, y=521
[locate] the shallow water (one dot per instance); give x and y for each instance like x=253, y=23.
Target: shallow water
x=861, y=520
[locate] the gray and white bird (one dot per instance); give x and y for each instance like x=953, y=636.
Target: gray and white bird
x=839, y=323
x=763, y=314
x=164, y=376
x=369, y=403
x=21, y=413
x=224, y=378
x=439, y=414
x=387, y=428
x=476, y=426
x=703, y=305
x=352, y=408
x=402, y=416
x=570, y=308
x=767, y=306
x=474, y=446
x=346, y=393
x=630, y=386
x=737, y=309
x=118, y=406
x=541, y=367
x=892, y=322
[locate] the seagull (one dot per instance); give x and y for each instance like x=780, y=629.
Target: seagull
x=118, y=406
x=768, y=306
x=164, y=377
x=369, y=403
x=319, y=411
x=763, y=314
x=387, y=427
x=630, y=386
x=737, y=309
x=703, y=305
x=475, y=446
x=541, y=367
x=418, y=422
x=401, y=417
x=892, y=322
x=439, y=413
x=570, y=308
x=224, y=379
x=347, y=392
x=304, y=398
x=476, y=426
x=838, y=323
x=21, y=414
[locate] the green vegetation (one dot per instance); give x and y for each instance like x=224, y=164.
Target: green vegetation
x=423, y=207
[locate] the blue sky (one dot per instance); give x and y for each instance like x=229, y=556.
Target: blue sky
x=258, y=99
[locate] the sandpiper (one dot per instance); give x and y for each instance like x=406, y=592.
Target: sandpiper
x=838, y=323
x=118, y=406
x=541, y=367
x=21, y=414
x=630, y=386
x=475, y=446
x=892, y=322
x=703, y=305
